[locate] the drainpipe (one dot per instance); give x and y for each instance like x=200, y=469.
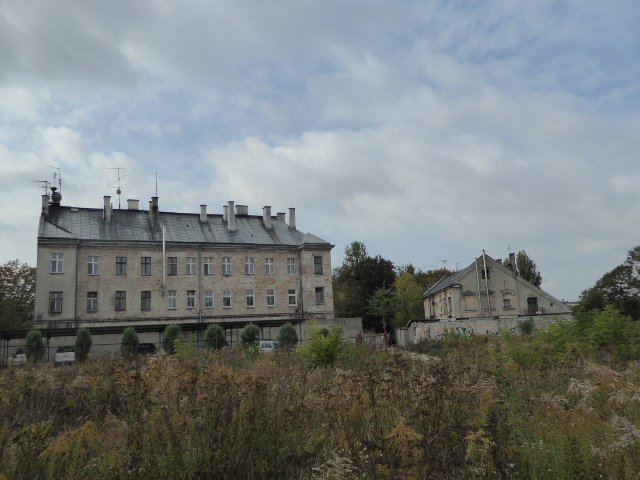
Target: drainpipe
x=479, y=294
x=163, y=261
x=486, y=280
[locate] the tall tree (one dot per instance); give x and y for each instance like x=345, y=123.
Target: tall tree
x=527, y=268
x=355, y=281
x=17, y=293
x=384, y=304
x=619, y=288
x=409, y=296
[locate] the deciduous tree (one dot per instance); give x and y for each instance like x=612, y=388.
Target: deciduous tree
x=17, y=293
x=527, y=268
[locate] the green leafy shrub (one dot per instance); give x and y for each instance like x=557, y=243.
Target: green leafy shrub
x=526, y=327
x=35, y=346
x=130, y=342
x=83, y=344
x=250, y=335
x=169, y=337
x=287, y=337
x=324, y=350
x=214, y=337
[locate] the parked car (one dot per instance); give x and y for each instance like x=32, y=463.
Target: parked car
x=65, y=355
x=147, y=348
x=19, y=357
x=268, y=345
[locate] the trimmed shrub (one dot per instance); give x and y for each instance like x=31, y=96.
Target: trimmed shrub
x=214, y=337
x=130, y=342
x=170, y=334
x=35, y=346
x=83, y=344
x=250, y=335
x=288, y=337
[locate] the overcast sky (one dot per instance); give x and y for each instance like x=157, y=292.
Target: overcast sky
x=427, y=130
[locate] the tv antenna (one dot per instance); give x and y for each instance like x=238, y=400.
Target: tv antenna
x=120, y=177
x=57, y=175
x=44, y=185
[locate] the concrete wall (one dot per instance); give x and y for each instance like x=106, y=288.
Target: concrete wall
x=480, y=326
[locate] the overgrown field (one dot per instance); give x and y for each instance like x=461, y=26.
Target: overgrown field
x=488, y=407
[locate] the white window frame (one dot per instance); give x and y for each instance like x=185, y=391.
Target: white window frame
x=57, y=263
x=293, y=296
x=226, y=298
x=269, y=266
x=251, y=298
x=271, y=297
x=191, y=299
x=208, y=299
x=208, y=265
x=172, y=299
x=249, y=264
x=191, y=266
x=93, y=265
x=291, y=266
x=226, y=266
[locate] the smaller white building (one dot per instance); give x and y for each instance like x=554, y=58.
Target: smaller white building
x=488, y=289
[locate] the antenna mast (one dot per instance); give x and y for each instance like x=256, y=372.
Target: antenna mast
x=57, y=176
x=120, y=177
x=44, y=186
x=156, y=179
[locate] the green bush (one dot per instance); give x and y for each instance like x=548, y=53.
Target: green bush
x=83, y=344
x=169, y=337
x=526, y=327
x=287, y=337
x=214, y=337
x=35, y=346
x=250, y=335
x=324, y=350
x=130, y=342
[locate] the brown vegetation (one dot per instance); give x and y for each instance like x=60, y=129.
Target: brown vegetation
x=481, y=411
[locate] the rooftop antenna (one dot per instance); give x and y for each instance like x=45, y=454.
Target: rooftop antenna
x=444, y=263
x=44, y=186
x=156, y=179
x=57, y=175
x=120, y=177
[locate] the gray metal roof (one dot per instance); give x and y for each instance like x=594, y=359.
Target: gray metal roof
x=447, y=281
x=135, y=226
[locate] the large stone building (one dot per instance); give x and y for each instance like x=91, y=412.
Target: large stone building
x=102, y=267
x=488, y=289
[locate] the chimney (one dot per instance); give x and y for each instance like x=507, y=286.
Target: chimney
x=153, y=210
x=106, y=215
x=225, y=212
x=45, y=205
x=242, y=210
x=203, y=213
x=133, y=204
x=281, y=216
x=512, y=263
x=231, y=217
x=266, y=216
x=292, y=218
